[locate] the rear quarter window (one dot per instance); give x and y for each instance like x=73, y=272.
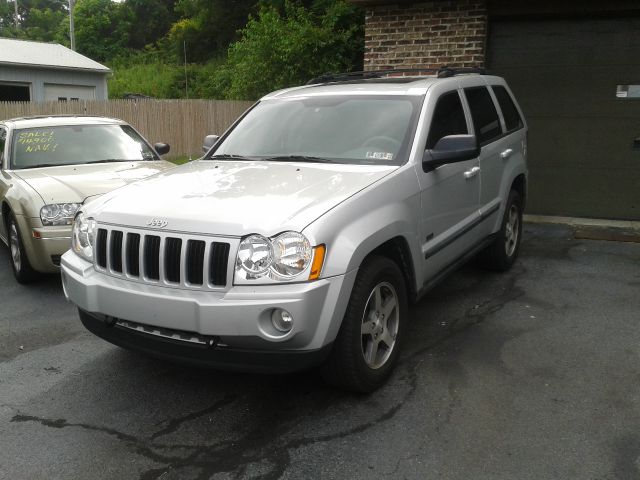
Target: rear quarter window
x=512, y=118
x=484, y=114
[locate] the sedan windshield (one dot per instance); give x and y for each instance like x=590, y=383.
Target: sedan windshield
x=77, y=144
x=340, y=129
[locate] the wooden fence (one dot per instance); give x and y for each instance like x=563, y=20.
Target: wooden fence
x=182, y=124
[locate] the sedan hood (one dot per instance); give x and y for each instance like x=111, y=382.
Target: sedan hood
x=234, y=198
x=75, y=183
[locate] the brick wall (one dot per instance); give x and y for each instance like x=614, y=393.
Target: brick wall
x=426, y=34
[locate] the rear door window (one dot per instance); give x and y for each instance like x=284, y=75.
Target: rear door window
x=512, y=118
x=448, y=119
x=484, y=114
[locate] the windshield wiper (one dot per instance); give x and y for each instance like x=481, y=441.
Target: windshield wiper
x=43, y=165
x=111, y=160
x=297, y=158
x=226, y=156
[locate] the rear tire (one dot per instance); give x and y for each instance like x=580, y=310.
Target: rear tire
x=502, y=253
x=368, y=343
x=21, y=267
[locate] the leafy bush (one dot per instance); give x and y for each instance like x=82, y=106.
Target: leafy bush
x=278, y=50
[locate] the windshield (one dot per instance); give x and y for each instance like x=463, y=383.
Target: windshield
x=77, y=144
x=341, y=129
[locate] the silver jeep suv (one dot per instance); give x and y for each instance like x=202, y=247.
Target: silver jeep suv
x=306, y=229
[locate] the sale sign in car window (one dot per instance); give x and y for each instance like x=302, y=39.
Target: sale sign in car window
x=37, y=141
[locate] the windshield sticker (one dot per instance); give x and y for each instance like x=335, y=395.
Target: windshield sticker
x=38, y=141
x=380, y=155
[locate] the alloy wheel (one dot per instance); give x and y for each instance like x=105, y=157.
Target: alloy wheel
x=14, y=244
x=379, y=327
x=512, y=231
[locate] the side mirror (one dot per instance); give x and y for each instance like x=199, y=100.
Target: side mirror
x=209, y=141
x=451, y=149
x=161, y=148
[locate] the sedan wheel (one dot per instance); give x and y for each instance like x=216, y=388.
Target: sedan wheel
x=22, y=269
x=14, y=244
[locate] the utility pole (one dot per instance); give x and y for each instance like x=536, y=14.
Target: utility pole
x=72, y=29
x=16, y=18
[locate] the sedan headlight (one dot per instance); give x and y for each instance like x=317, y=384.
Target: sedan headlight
x=281, y=258
x=83, y=236
x=57, y=214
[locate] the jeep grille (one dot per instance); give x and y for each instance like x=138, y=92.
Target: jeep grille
x=170, y=259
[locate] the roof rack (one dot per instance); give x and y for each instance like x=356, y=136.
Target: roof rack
x=442, y=72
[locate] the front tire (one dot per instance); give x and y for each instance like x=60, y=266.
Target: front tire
x=21, y=267
x=502, y=253
x=368, y=343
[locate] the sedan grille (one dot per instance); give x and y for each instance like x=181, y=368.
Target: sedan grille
x=171, y=259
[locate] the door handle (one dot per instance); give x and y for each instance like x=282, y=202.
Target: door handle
x=471, y=173
x=506, y=154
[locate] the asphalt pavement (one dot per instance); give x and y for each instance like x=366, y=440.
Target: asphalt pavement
x=533, y=374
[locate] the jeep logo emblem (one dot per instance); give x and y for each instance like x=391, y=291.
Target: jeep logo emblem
x=155, y=222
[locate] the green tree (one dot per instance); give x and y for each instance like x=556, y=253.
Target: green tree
x=102, y=28
x=37, y=19
x=208, y=26
x=151, y=20
x=278, y=50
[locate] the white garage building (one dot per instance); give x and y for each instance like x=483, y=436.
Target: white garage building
x=38, y=72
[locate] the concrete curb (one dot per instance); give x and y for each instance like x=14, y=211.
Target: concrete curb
x=583, y=222
x=594, y=229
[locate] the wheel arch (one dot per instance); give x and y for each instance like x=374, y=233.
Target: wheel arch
x=519, y=184
x=397, y=250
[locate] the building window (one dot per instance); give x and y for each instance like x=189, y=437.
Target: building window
x=11, y=92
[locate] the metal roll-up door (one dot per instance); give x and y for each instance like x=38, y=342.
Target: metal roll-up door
x=578, y=82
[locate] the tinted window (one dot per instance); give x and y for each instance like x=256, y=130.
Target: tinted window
x=448, y=119
x=509, y=111
x=484, y=114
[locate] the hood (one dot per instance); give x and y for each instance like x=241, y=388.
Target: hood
x=232, y=198
x=75, y=183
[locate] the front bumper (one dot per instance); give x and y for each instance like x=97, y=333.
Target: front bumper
x=203, y=355
x=239, y=319
x=44, y=245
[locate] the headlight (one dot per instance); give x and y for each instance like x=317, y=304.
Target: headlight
x=255, y=255
x=83, y=236
x=291, y=254
x=281, y=258
x=57, y=214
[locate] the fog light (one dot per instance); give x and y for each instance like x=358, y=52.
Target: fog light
x=282, y=320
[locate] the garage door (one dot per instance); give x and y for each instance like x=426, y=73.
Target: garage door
x=578, y=82
x=63, y=93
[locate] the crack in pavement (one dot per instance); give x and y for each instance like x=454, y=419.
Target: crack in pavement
x=175, y=423
x=266, y=441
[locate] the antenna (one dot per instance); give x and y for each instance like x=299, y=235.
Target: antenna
x=186, y=79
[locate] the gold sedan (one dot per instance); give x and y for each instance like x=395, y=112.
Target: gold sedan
x=49, y=167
